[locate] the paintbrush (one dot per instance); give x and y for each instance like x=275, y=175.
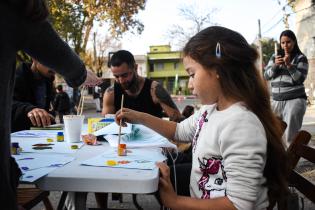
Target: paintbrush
x=120, y=122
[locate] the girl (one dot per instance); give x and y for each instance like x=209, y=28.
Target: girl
x=237, y=149
x=287, y=74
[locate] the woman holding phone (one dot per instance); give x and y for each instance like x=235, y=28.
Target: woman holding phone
x=287, y=72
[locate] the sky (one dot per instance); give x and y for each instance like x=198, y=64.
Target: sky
x=238, y=15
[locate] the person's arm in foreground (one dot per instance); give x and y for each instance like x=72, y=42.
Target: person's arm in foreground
x=45, y=45
x=108, y=101
x=161, y=96
x=25, y=115
x=164, y=127
x=171, y=200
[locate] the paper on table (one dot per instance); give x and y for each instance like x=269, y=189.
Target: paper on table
x=144, y=159
x=34, y=166
x=35, y=133
x=113, y=128
x=31, y=161
x=141, y=136
x=27, y=145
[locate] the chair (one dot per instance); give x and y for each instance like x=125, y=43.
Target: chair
x=297, y=149
x=30, y=196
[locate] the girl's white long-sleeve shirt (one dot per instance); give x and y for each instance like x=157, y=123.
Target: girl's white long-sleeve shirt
x=229, y=155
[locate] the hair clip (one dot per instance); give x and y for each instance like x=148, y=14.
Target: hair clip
x=218, y=50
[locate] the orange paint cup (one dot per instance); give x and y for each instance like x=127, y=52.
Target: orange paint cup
x=122, y=150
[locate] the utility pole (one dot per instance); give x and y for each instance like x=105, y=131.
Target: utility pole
x=285, y=16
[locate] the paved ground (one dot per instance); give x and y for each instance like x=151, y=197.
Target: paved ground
x=149, y=202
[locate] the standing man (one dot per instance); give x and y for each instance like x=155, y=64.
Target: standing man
x=61, y=103
x=24, y=26
x=140, y=93
x=32, y=97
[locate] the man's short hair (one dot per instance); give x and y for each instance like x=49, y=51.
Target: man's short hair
x=122, y=56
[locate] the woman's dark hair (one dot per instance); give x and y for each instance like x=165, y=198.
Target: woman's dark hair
x=35, y=10
x=235, y=64
x=291, y=35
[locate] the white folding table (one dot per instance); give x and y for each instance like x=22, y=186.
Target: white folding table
x=74, y=177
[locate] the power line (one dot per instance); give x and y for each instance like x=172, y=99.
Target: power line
x=278, y=12
x=273, y=25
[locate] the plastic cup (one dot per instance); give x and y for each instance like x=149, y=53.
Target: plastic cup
x=73, y=127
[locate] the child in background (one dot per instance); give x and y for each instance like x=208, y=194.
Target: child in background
x=238, y=156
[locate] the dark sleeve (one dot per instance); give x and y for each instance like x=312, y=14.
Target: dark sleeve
x=56, y=102
x=45, y=45
x=19, y=119
x=22, y=86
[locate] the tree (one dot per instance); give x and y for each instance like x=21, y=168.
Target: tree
x=268, y=48
x=102, y=45
x=194, y=20
x=75, y=19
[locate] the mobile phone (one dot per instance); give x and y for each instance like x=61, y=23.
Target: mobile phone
x=280, y=52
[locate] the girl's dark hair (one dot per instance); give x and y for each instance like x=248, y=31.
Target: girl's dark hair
x=291, y=35
x=35, y=10
x=241, y=80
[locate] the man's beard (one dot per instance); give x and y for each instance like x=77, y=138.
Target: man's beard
x=131, y=86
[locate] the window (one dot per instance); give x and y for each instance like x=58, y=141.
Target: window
x=176, y=65
x=159, y=66
x=151, y=67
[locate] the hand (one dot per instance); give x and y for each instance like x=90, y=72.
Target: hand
x=40, y=117
x=279, y=60
x=167, y=193
x=91, y=79
x=286, y=59
x=128, y=115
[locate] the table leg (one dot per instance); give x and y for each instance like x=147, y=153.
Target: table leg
x=80, y=200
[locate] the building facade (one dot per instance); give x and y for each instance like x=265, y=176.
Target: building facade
x=166, y=67
x=305, y=32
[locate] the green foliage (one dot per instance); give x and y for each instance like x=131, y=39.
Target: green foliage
x=268, y=49
x=74, y=19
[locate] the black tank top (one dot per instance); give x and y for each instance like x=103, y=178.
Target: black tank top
x=142, y=102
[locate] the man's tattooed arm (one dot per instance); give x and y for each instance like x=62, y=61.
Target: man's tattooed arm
x=166, y=102
x=108, y=101
x=164, y=97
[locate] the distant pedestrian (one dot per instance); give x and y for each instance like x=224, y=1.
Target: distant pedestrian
x=61, y=103
x=287, y=72
x=96, y=96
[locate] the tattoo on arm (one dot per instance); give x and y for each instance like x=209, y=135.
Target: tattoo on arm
x=164, y=97
x=110, y=89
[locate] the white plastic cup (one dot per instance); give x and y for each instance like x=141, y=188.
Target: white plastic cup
x=73, y=127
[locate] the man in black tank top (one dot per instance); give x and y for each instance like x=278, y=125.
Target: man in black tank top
x=140, y=93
